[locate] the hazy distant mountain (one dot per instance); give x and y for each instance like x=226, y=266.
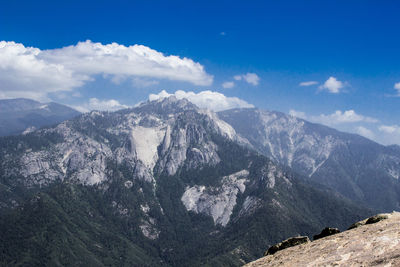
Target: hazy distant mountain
x=354, y=166
x=19, y=115
x=164, y=183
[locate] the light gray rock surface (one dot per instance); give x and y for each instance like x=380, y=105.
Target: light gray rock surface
x=217, y=202
x=375, y=244
x=156, y=141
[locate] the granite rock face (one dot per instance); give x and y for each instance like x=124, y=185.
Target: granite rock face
x=217, y=202
x=376, y=244
x=149, y=142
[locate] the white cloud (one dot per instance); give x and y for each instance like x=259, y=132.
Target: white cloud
x=249, y=77
x=136, y=60
x=298, y=114
x=363, y=131
x=390, y=129
x=228, y=84
x=390, y=134
x=339, y=117
x=252, y=78
x=309, y=83
x=97, y=104
x=222, y=33
x=397, y=87
x=23, y=73
x=206, y=99
x=160, y=95
x=31, y=72
x=332, y=85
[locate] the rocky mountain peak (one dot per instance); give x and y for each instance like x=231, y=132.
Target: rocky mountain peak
x=159, y=136
x=166, y=106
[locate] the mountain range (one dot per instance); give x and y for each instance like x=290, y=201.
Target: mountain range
x=352, y=165
x=169, y=184
x=24, y=115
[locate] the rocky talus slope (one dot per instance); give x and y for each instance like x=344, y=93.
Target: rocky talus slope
x=376, y=244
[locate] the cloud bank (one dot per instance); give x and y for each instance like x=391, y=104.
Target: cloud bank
x=31, y=72
x=206, y=99
x=363, y=131
x=389, y=129
x=339, y=117
x=24, y=73
x=102, y=105
x=390, y=134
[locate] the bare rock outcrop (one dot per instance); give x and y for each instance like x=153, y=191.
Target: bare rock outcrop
x=290, y=242
x=376, y=243
x=370, y=220
x=326, y=232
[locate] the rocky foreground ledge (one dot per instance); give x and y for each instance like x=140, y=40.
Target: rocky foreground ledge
x=372, y=242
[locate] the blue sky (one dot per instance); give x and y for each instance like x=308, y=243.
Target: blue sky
x=350, y=49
